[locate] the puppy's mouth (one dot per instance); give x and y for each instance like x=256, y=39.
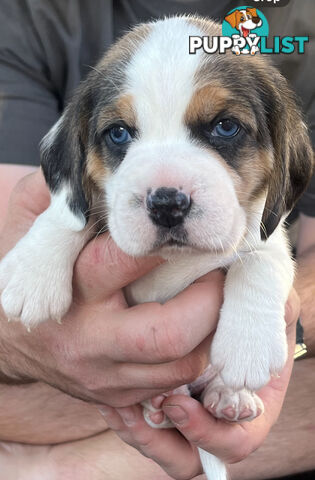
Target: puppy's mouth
x=176, y=237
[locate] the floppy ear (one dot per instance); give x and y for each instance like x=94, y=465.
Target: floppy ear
x=231, y=18
x=292, y=151
x=63, y=153
x=252, y=11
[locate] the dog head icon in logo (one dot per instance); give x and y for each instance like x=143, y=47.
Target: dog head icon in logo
x=244, y=20
x=246, y=26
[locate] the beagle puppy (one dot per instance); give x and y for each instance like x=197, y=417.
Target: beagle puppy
x=197, y=158
x=244, y=20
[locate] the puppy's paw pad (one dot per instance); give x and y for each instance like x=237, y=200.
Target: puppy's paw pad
x=239, y=406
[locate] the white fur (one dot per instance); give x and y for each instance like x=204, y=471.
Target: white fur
x=162, y=90
x=218, y=221
x=252, y=316
x=36, y=275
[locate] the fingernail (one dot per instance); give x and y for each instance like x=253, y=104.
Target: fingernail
x=157, y=401
x=157, y=417
x=128, y=416
x=176, y=413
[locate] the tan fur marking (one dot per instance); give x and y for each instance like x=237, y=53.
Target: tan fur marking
x=206, y=103
x=254, y=171
x=125, y=109
x=211, y=99
x=121, y=110
x=96, y=169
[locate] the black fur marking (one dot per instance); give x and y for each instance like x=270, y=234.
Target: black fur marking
x=117, y=152
x=64, y=158
x=229, y=148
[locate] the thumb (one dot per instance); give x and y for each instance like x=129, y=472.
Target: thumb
x=102, y=269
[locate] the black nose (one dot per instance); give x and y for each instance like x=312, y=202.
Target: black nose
x=256, y=20
x=168, y=206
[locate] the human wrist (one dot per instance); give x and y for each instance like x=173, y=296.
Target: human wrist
x=304, y=284
x=11, y=373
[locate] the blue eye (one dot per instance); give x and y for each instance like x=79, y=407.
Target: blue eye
x=119, y=135
x=226, y=128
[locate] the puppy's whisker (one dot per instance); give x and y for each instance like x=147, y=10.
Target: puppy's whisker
x=251, y=248
x=100, y=219
x=252, y=236
x=262, y=226
x=233, y=247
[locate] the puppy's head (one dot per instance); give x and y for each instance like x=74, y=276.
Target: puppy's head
x=188, y=151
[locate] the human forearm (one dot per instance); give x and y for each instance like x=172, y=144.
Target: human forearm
x=305, y=286
x=9, y=176
x=37, y=413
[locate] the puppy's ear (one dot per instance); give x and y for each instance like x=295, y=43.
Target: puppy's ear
x=64, y=150
x=292, y=151
x=232, y=18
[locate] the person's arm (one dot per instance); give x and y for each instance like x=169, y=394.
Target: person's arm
x=39, y=414
x=9, y=176
x=61, y=417
x=305, y=278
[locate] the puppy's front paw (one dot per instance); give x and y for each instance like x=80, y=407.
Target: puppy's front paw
x=35, y=286
x=222, y=402
x=247, y=357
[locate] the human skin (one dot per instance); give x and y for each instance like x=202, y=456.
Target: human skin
x=107, y=436
x=290, y=448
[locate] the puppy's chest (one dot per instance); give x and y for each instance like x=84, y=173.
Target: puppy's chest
x=173, y=276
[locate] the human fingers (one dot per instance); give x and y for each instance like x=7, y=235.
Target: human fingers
x=166, y=446
x=154, y=333
x=103, y=268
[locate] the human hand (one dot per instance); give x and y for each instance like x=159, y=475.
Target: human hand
x=104, y=351
x=176, y=451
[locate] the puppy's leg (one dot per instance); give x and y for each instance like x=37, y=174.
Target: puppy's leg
x=36, y=275
x=250, y=342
